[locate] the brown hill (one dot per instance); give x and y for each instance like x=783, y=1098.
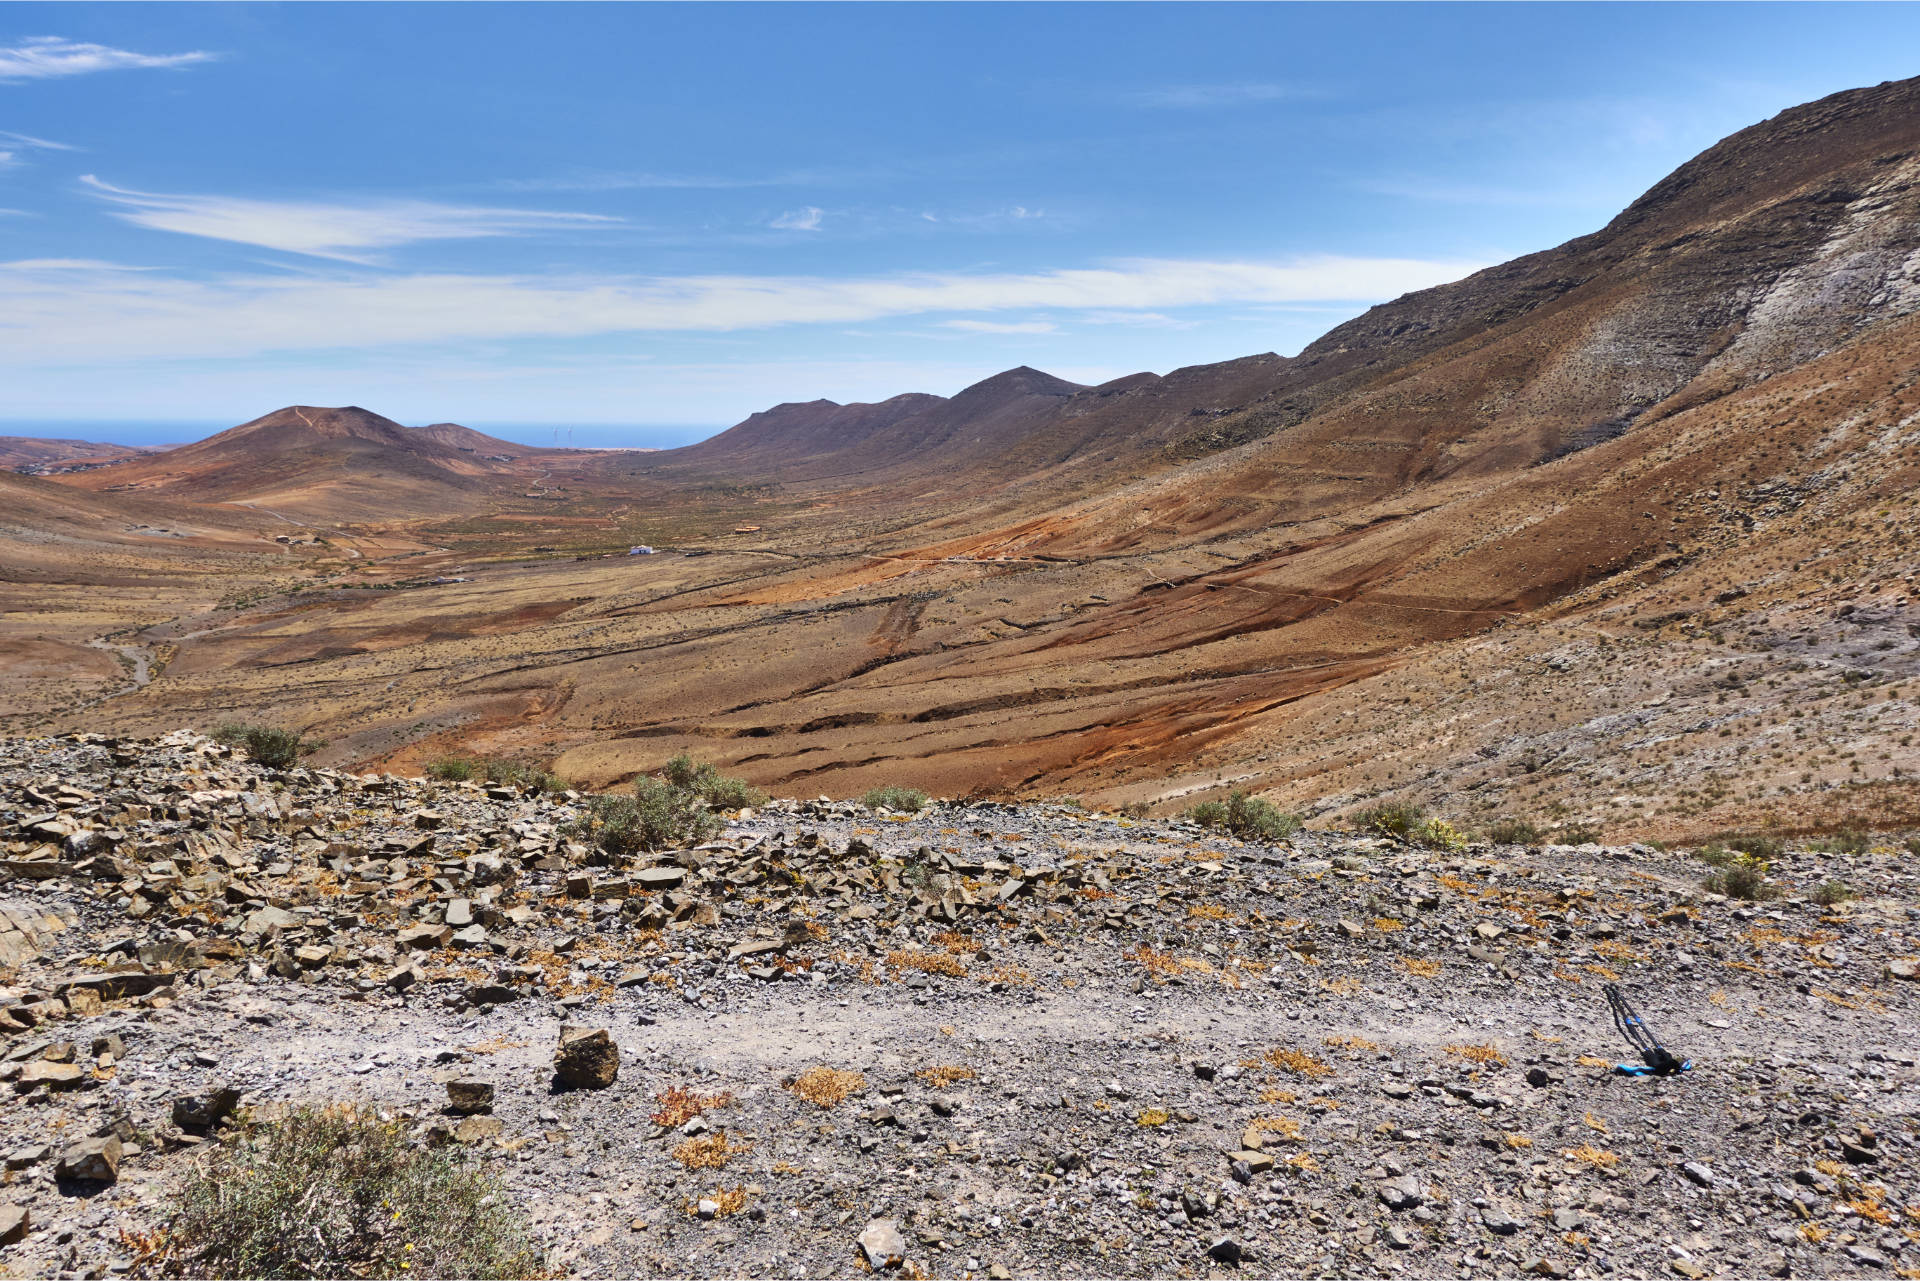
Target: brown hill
x=319, y=464
x=1620, y=530
x=469, y=441
x=33, y=452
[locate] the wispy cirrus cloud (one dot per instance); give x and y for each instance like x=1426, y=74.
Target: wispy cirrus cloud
x=343, y=231
x=1001, y=327
x=13, y=145
x=1190, y=97
x=630, y=180
x=49, y=57
x=805, y=218
x=86, y=314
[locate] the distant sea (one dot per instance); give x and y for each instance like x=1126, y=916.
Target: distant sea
x=120, y=431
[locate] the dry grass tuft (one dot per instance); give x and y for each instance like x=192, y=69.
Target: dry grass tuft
x=679, y=1105
x=730, y=1200
x=1424, y=969
x=940, y=1078
x=1360, y=1043
x=1482, y=1054
x=1153, y=1117
x=1594, y=1158
x=928, y=963
x=827, y=1087
x=1298, y=1062
x=709, y=1151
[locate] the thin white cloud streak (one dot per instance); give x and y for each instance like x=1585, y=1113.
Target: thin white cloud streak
x=806, y=218
x=998, y=327
x=1204, y=96
x=616, y=180
x=340, y=231
x=13, y=144
x=49, y=57
x=90, y=316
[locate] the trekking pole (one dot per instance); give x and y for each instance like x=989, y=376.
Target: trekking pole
x=1659, y=1061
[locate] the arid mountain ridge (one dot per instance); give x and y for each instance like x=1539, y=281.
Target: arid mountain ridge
x=1333, y=578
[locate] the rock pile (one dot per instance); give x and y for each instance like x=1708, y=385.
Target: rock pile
x=983, y=1040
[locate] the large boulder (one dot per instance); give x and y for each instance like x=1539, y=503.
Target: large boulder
x=587, y=1058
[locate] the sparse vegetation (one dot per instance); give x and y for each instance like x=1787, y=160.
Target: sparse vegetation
x=1832, y=893
x=827, y=1087
x=1248, y=817
x=1394, y=818
x=681, y=807
x=338, y=1192
x=901, y=800
x=1743, y=877
x=1513, y=831
x=266, y=745
x=1847, y=841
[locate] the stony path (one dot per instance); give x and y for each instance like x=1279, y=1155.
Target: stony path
x=1081, y=1046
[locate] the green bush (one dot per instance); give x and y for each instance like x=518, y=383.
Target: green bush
x=1765, y=847
x=1849, y=841
x=1513, y=831
x=502, y=773
x=710, y=785
x=1247, y=817
x=678, y=808
x=1577, y=832
x=1209, y=814
x=1832, y=892
x=901, y=800
x=264, y=745
x=340, y=1193
x=1438, y=834
x=1744, y=877
x=1397, y=819
x=1913, y=845
x=531, y=778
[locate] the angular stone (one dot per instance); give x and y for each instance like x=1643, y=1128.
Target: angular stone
x=659, y=878
x=460, y=913
x=203, y=1109
x=90, y=1160
x=424, y=936
x=586, y=1058
x=14, y=1222
x=1226, y=1250
x=1403, y=1193
x=883, y=1244
x=467, y=1096
x=56, y=1076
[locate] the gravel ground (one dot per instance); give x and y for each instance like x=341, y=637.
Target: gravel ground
x=1068, y=1044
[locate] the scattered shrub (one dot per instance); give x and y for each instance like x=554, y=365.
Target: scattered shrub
x=1397, y=819
x=1138, y=809
x=338, y=1192
x=1209, y=814
x=264, y=745
x=710, y=785
x=1849, y=841
x=677, y=809
x=1831, y=893
x=1744, y=877
x=1438, y=834
x=1577, y=832
x=1913, y=845
x=1247, y=817
x=1513, y=831
x=453, y=769
x=531, y=778
x=901, y=800
x=1720, y=850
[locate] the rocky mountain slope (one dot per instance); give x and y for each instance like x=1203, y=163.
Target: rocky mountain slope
x=978, y=1040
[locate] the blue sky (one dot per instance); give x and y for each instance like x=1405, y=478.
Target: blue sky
x=645, y=215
